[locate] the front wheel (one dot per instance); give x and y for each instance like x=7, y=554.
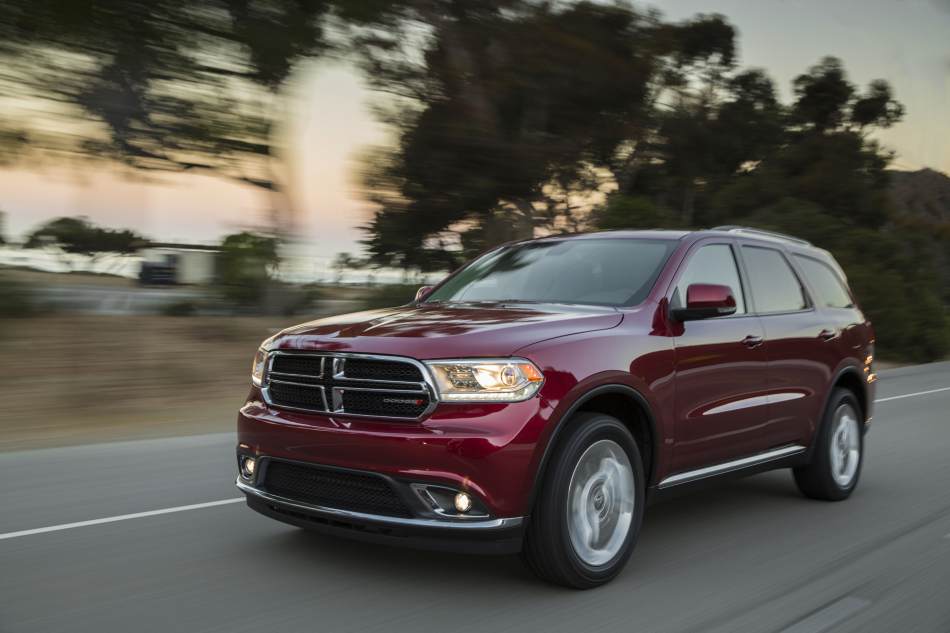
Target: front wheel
x=836, y=462
x=590, y=507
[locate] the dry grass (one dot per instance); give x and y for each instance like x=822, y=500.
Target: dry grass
x=76, y=379
x=39, y=278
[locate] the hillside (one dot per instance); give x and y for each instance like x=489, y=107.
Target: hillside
x=923, y=194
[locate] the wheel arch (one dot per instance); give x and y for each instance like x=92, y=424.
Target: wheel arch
x=851, y=379
x=622, y=402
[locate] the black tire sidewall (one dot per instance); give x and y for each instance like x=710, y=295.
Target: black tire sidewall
x=588, y=430
x=818, y=477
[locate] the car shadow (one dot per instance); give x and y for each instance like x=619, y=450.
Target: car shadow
x=724, y=512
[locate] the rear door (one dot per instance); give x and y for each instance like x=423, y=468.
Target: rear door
x=721, y=381
x=842, y=324
x=799, y=357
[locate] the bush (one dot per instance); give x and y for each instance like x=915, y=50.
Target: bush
x=633, y=212
x=389, y=295
x=291, y=299
x=181, y=308
x=244, y=265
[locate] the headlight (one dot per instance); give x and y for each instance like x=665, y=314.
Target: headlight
x=504, y=380
x=257, y=367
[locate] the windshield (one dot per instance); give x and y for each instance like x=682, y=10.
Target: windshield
x=608, y=271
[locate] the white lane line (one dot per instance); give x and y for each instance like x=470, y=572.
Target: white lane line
x=121, y=517
x=824, y=619
x=912, y=395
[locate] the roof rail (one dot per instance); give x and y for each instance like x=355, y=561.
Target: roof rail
x=732, y=228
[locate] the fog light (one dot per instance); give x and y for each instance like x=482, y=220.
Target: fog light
x=248, y=464
x=463, y=502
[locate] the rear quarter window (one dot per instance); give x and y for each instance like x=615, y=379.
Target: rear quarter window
x=775, y=288
x=830, y=288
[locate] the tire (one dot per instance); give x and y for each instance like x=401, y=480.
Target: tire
x=588, y=512
x=835, y=466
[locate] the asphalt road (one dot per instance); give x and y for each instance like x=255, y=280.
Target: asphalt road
x=749, y=555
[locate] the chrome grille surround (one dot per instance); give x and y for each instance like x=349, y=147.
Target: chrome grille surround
x=332, y=382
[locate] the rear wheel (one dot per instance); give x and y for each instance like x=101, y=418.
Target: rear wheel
x=838, y=455
x=588, y=513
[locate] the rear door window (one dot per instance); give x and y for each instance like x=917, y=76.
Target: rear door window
x=831, y=291
x=774, y=286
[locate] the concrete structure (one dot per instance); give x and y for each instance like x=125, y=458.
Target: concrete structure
x=190, y=265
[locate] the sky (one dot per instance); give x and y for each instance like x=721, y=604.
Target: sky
x=902, y=41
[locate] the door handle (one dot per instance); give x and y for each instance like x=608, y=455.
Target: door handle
x=752, y=341
x=827, y=335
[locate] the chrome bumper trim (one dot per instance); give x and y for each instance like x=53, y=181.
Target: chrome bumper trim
x=739, y=464
x=460, y=525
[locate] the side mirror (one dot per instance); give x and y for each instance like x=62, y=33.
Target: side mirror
x=705, y=301
x=422, y=293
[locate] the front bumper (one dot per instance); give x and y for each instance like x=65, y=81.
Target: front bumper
x=490, y=450
x=487, y=536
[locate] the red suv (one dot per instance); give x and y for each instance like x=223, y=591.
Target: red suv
x=540, y=397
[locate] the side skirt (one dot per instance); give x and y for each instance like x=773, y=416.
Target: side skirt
x=784, y=457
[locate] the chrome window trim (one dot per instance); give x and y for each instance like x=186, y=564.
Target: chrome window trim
x=727, y=467
x=461, y=525
x=333, y=404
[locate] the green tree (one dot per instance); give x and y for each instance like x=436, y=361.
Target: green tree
x=737, y=156
x=79, y=236
x=633, y=212
x=246, y=262
x=516, y=115
x=157, y=85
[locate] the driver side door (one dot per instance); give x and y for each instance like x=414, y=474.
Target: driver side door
x=721, y=380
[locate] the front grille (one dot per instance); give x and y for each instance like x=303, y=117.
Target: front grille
x=297, y=396
x=344, y=384
x=381, y=370
x=340, y=490
x=298, y=365
x=383, y=403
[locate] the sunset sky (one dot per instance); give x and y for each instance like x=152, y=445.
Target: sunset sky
x=905, y=42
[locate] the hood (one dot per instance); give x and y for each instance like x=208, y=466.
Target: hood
x=430, y=331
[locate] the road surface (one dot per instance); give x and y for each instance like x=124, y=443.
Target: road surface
x=749, y=555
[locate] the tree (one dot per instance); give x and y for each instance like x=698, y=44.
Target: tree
x=79, y=236
x=826, y=101
x=246, y=261
x=157, y=85
x=343, y=262
x=877, y=108
x=822, y=96
x=736, y=156
x=825, y=156
x=519, y=117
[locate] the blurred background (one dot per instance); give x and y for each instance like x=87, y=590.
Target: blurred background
x=180, y=179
